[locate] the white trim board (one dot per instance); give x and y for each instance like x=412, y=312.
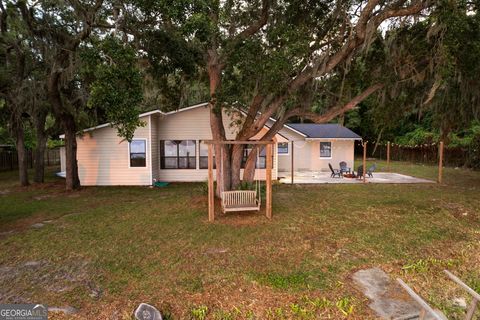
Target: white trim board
x=203, y=104
x=331, y=139
x=62, y=136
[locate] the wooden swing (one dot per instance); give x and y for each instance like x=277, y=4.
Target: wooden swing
x=240, y=200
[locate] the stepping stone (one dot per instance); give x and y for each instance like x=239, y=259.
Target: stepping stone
x=147, y=312
x=216, y=250
x=32, y=263
x=65, y=310
x=387, y=299
x=460, y=302
x=37, y=225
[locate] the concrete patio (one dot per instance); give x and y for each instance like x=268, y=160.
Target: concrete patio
x=312, y=177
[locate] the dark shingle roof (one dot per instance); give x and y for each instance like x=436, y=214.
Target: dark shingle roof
x=330, y=130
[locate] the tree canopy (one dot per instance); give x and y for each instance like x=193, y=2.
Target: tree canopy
x=378, y=66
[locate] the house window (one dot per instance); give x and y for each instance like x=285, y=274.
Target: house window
x=138, y=153
x=282, y=148
x=261, y=162
x=204, y=155
x=177, y=154
x=325, y=149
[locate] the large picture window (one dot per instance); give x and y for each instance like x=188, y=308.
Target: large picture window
x=282, y=148
x=203, y=161
x=177, y=154
x=325, y=149
x=138, y=153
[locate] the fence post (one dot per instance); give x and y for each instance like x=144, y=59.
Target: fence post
x=364, y=161
x=388, y=156
x=292, y=164
x=440, y=162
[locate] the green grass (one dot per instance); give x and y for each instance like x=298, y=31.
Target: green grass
x=136, y=244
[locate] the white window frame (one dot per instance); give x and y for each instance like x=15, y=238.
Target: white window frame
x=288, y=149
x=319, y=149
x=147, y=156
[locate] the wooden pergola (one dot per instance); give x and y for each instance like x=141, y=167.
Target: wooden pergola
x=268, y=173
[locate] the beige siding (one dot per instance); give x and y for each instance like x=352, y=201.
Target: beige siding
x=342, y=150
x=194, y=124
x=307, y=156
x=103, y=158
x=302, y=157
x=63, y=166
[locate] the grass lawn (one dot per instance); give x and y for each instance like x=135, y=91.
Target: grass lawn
x=106, y=249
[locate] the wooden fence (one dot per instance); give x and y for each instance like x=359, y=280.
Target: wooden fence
x=9, y=159
x=427, y=154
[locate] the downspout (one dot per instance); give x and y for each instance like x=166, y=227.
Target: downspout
x=150, y=144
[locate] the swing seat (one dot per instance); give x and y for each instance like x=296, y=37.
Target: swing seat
x=240, y=200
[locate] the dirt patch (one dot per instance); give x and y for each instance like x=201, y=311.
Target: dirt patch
x=459, y=211
x=199, y=201
x=19, y=282
x=21, y=224
x=240, y=218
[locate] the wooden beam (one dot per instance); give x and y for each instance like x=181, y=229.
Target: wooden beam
x=211, y=191
x=267, y=142
x=440, y=162
x=419, y=300
x=457, y=280
x=471, y=309
x=292, y=164
x=388, y=156
x=365, y=162
x=268, y=181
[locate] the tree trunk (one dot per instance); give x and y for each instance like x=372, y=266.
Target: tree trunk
x=249, y=171
x=377, y=142
x=222, y=151
x=40, y=147
x=236, y=164
x=72, y=180
x=21, y=154
x=39, y=159
x=67, y=121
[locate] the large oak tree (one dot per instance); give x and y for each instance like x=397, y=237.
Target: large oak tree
x=267, y=58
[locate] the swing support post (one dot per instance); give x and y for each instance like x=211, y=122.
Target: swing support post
x=211, y=191
x=268, y=174
x=268, y=181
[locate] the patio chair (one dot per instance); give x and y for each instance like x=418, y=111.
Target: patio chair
x=371, y=170
x=360, y=172
x=344, y=168
x=335, y=172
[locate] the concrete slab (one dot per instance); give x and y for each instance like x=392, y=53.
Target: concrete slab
x=312, y=177
x=387, y=299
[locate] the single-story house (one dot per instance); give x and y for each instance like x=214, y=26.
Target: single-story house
x=170, y=147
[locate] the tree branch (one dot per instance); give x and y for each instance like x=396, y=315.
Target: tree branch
x=257, y=25
x=334, y=111
x=319, y=118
